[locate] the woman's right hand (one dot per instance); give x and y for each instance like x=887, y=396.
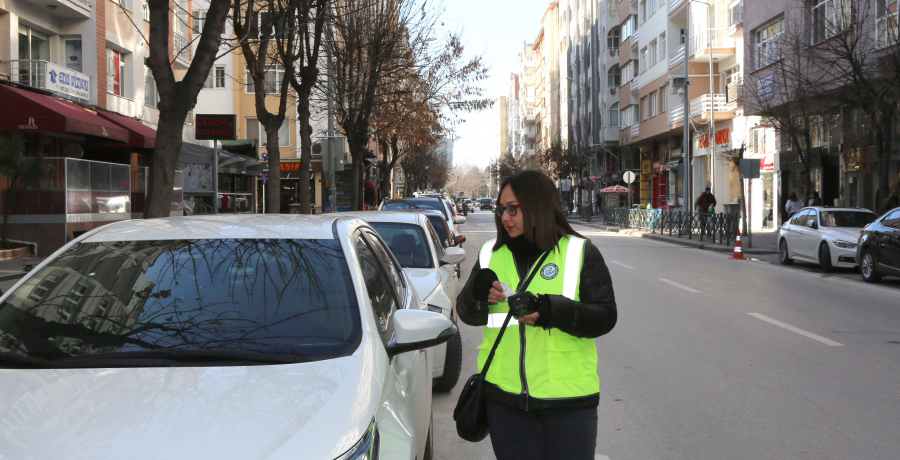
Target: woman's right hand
x=496, y=293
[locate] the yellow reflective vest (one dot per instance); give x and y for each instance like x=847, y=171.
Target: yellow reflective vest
x=537, y=362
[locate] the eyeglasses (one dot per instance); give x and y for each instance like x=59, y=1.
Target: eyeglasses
x=512, y=209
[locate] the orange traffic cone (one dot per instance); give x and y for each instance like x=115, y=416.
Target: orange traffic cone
x=738, y=248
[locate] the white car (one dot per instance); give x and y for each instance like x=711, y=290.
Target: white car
x=824, y=236
x=432, y=270
x=240, y=336
x=423, y=203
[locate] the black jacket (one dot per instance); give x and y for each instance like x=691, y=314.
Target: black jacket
x=594, y=315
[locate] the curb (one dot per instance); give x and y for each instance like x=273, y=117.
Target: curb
x=671, y=240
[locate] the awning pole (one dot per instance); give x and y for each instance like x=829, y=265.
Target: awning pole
x=215, y=177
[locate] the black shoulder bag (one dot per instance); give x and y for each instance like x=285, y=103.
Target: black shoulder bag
x=470, y=413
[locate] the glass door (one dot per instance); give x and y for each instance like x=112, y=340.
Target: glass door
x=34, y=47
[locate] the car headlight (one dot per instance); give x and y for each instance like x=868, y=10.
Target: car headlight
x=367, y=446
x=844, y=244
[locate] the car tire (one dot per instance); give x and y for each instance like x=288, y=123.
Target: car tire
x=429, y=442
x=868, y=267
x=452, y=365
x=825, y=258
x=783, y=255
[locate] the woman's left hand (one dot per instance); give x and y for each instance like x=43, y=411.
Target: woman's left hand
x=529, y=319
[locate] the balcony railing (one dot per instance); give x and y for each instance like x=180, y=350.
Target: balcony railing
x=887, y=31
x=635, y=130
x=733, y=94
x=676, y=114
x=674, y=4
x=634, y=36
x=34, y=73
x=700, y=106
x=701, y=40
x=181, y=46
x=676, y=57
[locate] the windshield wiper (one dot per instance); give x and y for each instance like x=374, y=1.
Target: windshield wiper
x=201, y=354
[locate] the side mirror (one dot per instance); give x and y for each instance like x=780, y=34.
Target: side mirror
x=460, y=220
x=459, y=240
x=419, y=329
x=453, y=256
x=814, y=225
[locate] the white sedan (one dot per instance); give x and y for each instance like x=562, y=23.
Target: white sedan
x=241, y=336
x=432, y=270
x=825, y=236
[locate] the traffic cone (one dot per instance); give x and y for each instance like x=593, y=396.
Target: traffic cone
x=738, y=248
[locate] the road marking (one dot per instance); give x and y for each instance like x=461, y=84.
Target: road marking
x=819, y=338
x=691, y=290
x=623, y=265
x=601, y=457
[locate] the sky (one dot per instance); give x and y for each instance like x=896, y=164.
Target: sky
x=496, y=29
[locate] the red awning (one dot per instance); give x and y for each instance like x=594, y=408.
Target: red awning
x=139, y=134
x=29, y=111
x=369, y=186
x=614, y=189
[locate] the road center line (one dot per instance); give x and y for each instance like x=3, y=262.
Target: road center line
x=623, y=265
x=819, y=338
x=691, y=290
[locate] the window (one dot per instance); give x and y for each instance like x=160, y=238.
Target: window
x=284, y=134
x=643, y=10
x=216, y=77
x=800, y=218
x=735, y=12
x=251, y=129
x=126, y=4
x=145, y=10
x=768, y=43
x=151, y=97
x=612, y=38
x=614, y=77
x=829, y=17
x=199, y=21
x=887, y=31
x=644, y=108
x=651, y=50
x=662, y=48
x=614, y=115
x=274, y=76
x=115, y=72
x=643, y=64
x=407, y=242
x=663, y=97
x=378, y=288
x=654, y=99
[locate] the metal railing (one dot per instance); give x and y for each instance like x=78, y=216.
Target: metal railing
x=701, y=105
x=25, y=72
x=887, y=30
x=719, y=227
x=676, y=114
x=181, y=46
x=635, y=130
x=733, y=93
x=674, y=4
x=676, y=56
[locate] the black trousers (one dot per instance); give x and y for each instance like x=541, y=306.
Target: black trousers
x=545, y=435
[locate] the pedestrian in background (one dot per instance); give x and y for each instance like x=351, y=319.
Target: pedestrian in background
x=705, y=205
x=891, y=202
x=815, y=199
x=793, y=205
x=541, y=401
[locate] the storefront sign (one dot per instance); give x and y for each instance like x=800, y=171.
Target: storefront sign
x=215, y=128
x=68, y=82
x=645, y=167
x=289, y=167
x=723, y=136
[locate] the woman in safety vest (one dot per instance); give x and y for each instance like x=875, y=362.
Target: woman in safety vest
x=542, y=388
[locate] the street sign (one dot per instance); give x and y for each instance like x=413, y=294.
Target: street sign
x=629, y=177
x=749, y=168
x=216, y=127
x=265, y=156
x=264, y=177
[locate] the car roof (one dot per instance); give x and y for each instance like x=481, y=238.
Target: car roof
x=406, y=216
x=239, y=226
x=415, y=198
x=828, y=208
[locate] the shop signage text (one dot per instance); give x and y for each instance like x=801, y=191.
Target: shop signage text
x=723, y=136
x=68, y=82
x=289, y=167
x=215, y=128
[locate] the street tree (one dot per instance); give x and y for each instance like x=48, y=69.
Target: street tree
x=176, y=97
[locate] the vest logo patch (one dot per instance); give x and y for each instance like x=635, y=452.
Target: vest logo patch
x=549, y=271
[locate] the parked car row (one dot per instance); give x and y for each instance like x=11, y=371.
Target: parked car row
x=843, y=237
x=251, y=336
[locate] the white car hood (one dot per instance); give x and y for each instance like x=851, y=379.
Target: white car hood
x=312, y=410
x=848, y=234
x=424, y=280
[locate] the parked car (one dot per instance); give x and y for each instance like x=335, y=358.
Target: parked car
x=476, y=204
x=487, y=203
x=824, y=236
x=240, y=336
x=879, y=248
x=426, y=203
x=432, y=270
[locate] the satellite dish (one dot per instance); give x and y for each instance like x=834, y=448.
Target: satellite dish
x=73, y=151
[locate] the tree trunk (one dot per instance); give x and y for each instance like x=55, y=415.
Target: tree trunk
x=7, y=202
x=385, y=169
x=305, y=147
x=273, y=184
x=356, y=153
x=163, y=162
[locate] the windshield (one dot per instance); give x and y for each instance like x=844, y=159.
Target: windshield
x=407, y=242
x=260, y=296
x=434, y=204
x=855, y=219
x=440, y=227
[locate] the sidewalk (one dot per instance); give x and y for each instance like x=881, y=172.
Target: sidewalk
x=763, y=243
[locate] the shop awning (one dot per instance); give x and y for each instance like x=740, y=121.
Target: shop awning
x=614, y=189
x=369, y=186
x=139, y=134
x=27, y=111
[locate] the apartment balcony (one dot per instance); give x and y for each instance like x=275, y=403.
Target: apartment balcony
x=636, y=82
x=736, y=20
x=635, y=36
x=734, y=93
x=676, y=57
x=610, y=134
x=181, y=48
x=717, y=103
x=887, y=30
x=635, y=130
x=37, y=74
x=713, y=44
x=676, y=114
x=674, y=4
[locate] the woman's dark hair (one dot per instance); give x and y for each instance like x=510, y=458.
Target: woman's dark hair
x=542, y=214
x=815, y=194
x=793, y=196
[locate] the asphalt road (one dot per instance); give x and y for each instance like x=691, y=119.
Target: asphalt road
x=720, y=359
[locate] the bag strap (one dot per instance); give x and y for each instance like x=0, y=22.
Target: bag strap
x=522, y=285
